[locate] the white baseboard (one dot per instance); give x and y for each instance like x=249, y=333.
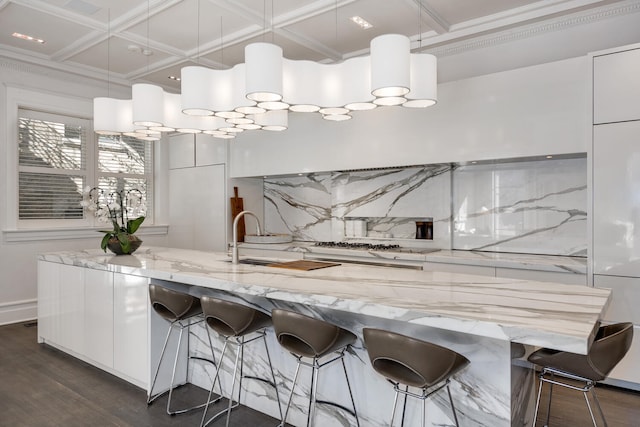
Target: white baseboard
x=18, y=311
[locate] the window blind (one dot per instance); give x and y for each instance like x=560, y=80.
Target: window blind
x=51, y=165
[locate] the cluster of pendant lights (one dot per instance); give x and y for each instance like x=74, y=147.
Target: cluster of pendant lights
x=259, y=93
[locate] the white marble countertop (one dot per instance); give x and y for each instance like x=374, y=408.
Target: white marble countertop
x=552, y=263
x=534, y=313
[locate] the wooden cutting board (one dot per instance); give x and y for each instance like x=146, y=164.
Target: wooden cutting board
x=304, y=265
x=237, y=206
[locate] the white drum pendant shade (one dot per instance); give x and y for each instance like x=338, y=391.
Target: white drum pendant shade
x=197, y=93
x=273, y=120
x=302, y=85
x=390, y=65
x=105, y=116
x=224, y=88
x=263, y=72
x=148, y=105
x=179, y=121
x=424, y=81
x=241, y=104
x=356, y=84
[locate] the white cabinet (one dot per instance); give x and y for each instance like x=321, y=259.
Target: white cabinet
x=616, y=86
x=98, y=316
x=623, y=308
x=616, y=199
x=61, y=315
x=187, y=150
x=181, y=151
x=130, y=318
x=210, y=150
x=198, y=208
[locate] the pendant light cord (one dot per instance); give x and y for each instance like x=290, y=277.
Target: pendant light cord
x=109, y=53
x=420, y=25
x=198, y=36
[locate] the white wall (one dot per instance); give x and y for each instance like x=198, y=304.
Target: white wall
x=531, y=111
x=18, y=258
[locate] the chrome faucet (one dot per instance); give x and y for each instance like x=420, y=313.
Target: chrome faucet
x=234, y=248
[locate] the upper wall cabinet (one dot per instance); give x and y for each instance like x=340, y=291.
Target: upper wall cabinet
x=616, y=86
x=187, y=150
x=181, y=151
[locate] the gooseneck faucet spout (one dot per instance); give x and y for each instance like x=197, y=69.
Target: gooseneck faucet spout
x=234, y=248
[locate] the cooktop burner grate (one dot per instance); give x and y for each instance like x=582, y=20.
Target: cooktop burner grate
x=350, y=245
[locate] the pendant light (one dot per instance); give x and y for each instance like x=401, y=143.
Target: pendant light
x=148, y=99
x=263, y=72
x=105, y=109
x=424, y=81
x=390, y=65
x=424, y=75
x=198, y=93
x=277, y=120
x=148, y=105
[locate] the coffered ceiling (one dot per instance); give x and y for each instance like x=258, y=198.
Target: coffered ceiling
x=150, y=40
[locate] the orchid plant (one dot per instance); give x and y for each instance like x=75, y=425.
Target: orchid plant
x=124, y=209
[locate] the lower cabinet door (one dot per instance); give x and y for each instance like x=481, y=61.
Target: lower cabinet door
x=130, y=331
x=70, y=325
x=98, y=316
x=625, y=299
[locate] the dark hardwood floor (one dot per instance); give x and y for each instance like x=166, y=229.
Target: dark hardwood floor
x=40, y=386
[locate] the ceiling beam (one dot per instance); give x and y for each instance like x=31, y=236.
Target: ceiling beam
x=430, y=16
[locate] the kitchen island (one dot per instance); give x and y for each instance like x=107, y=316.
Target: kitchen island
x=493, y=322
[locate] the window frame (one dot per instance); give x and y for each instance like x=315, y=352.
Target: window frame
x=15, y=230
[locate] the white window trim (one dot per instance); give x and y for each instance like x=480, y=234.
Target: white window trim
x=19, y=97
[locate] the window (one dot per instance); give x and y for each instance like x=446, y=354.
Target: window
x=58, y=156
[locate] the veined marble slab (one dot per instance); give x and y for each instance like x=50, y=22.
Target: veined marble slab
x=534, y=313
x=526, y=207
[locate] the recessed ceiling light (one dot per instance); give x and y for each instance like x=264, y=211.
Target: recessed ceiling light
x=361, y=22
x=176, y=78
x=29, y=38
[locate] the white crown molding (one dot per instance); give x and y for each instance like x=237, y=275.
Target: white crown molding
x=533, y=30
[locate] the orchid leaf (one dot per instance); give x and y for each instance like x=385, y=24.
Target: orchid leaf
x=105, y=240
x=134, y=224
x=125, y=244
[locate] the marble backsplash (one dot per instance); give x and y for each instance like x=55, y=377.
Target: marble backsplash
x=523, y=207
x=531, y=207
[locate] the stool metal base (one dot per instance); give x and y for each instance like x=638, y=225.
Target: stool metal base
x=239, y=363
x=547, y=375
x=426, y=393
x=181, y=325
x=316, y=365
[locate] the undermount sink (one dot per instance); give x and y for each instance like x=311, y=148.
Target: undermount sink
x=268, y=238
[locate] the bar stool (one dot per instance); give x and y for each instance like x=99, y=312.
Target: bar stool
x=411, y=362
x=610, y=345
x=234, y=322
x=181, y=311
x=305, y=336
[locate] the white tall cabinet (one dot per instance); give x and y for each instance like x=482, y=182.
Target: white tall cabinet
x=197, y=192
x=616, y=193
